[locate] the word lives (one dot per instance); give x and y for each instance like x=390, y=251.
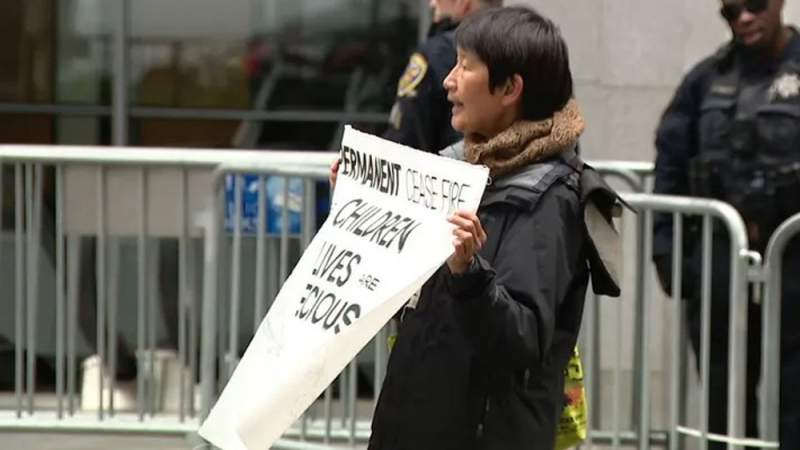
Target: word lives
x=319, y=304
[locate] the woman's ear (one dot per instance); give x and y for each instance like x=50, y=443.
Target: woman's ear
x=512, y=90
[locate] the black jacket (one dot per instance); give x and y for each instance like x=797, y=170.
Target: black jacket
x=478, y=364
x=698, y=120
x=701, y=119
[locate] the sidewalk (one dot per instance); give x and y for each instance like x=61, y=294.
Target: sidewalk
x=74, y=441
x=118, y=434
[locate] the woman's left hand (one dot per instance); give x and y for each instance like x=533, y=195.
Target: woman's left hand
x=469, y=238
x=334, y=171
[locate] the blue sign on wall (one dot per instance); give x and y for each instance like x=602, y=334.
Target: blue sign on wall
x=274, y=203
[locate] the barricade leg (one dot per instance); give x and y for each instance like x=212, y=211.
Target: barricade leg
x=789, y=356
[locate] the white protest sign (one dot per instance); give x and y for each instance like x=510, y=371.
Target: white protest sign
x=385, y=236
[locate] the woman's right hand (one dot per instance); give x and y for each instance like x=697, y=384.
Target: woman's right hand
x=334, y=173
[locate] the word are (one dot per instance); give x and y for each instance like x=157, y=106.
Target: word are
x=371, y=171
x=369, y=282
x=373, y=223
x=324, y=308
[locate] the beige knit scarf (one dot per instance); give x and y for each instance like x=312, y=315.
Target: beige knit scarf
x=525, y=142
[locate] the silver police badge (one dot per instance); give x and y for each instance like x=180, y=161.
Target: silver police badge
x=785, y=87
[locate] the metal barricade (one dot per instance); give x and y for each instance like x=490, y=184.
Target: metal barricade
x=271, y=251
x=769, y=405
x=642, y=436
x=124, y=202
x=142, y=178
x=641, y=432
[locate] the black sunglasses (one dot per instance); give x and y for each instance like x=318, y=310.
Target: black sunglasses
x=731, y=10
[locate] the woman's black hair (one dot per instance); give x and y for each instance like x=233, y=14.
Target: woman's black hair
x=518, y=40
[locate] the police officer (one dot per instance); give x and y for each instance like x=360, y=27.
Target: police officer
x=732, y=132
x=421, y=114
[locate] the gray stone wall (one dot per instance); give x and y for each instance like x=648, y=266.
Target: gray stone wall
x=627, y=58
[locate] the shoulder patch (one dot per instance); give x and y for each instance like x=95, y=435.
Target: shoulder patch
x=413, y=76
x=785, y=87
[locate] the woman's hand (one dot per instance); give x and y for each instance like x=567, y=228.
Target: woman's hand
x=469, y=238
x=334, y=173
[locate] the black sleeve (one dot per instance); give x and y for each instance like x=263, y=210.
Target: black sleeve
x=421, y=110
x=509, y=310
x=676, y=144
x=676, y=135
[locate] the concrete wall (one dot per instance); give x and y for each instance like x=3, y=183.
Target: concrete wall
x=627, y=58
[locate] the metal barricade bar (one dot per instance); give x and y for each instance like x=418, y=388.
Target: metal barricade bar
x=19, y=286
x=273, y=257
x=36, y=229
x=676, y=403
x=709, y=209
x=769, y=405
x=141, y=275
x=634, y=174
x=677, y=393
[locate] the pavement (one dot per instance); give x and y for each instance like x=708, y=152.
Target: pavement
x=82, y=431
x=75, y=441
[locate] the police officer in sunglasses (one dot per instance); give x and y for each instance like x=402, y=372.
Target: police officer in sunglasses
x=732, y=132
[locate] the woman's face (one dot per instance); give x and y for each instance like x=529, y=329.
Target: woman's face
x=476, y=109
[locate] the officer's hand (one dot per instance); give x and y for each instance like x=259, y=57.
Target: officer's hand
x=334, y=173
x=469, y=238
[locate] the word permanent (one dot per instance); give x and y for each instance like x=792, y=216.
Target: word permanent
x=369, y=170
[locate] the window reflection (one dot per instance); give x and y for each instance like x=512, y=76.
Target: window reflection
x=54, y=51
x=84, y=44
x=26, y=129
x=307, y=64
x=336, y=55
x=183, y=133
x=26, y=53
x=72, y=130
x=19, y=129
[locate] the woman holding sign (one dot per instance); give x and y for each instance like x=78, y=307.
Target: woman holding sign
x=479, y=360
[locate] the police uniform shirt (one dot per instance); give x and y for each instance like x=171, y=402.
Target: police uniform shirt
x=421, y=114
x=726, y=101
